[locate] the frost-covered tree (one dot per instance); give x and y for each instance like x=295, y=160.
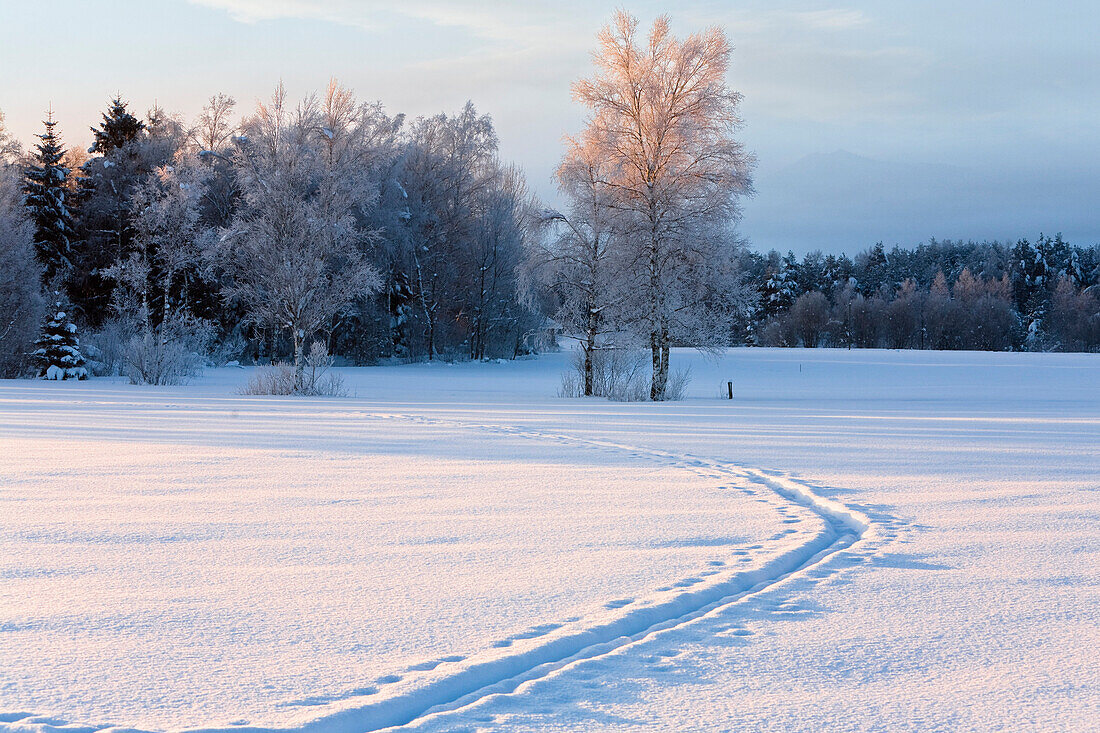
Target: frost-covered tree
x=449, y=173
x=20, y=277
x=665, y=122
x=579, y=262
x=809, y=318
x=46, y=188
x=293, y=256
x=9, y=146
x=152, y=293
x=213, y=135
x=125, y=151
x=214, y=128
x=781, y=288
x=57, y=355
x=497, y=318
x=1075, y=317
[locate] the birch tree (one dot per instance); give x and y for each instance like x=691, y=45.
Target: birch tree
x=664, y=121
x=577, y=260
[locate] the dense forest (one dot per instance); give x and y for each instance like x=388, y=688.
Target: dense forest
x=328, y=226
x=1041, y=294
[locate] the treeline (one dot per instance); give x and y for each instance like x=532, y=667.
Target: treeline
x=328, y=226
x=322, y=219
x=1036, y=295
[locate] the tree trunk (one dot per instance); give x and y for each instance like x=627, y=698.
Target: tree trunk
x=656, y=387
x=664, y=369
x=589, y=348
x=299, y=362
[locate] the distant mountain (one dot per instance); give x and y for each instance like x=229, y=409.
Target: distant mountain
x=845, y=202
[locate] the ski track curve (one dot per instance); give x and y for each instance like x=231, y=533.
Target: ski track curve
x=454, y=684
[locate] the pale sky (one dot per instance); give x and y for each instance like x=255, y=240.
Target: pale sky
x=893, y=120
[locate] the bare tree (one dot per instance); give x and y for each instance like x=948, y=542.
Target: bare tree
x=214, y=128
x=664, y=121
x=809, y=318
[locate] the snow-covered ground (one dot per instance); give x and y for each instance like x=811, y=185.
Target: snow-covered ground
x=859, y=540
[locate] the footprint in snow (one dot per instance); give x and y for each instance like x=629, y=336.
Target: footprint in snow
x=619, y=603
x=687, y=582
x=424, y=666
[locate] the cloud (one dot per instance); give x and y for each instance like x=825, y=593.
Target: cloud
x=253, y=11
x=833, y=19
x=492, y=19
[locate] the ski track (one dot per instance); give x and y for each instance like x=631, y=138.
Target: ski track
x=453, y=685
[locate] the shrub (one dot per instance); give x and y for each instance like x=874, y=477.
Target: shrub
x=105, y=349
x=316, y=379
x=620, y=375
x=169, y=354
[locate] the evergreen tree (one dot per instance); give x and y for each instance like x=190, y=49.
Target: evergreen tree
x=1031, y=284
x=873, y=266
x=118, y=128
x=45, y=191
x=122, y=159
x=58, y=354
x=781, y=288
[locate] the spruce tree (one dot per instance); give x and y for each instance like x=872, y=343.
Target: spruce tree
x=781, y=289
x=118, y=128
x=58, y=354
x=45, y=189
x=117, y=166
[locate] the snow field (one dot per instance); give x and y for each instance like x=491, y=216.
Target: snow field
x=908, y=540
x=155, y=577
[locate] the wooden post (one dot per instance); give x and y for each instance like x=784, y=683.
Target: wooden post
x=729, y=388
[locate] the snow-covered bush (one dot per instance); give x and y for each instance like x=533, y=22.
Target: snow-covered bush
x=678, y=381
x=620, y=375
x=314, y=379
x=148, y=360
x=172, y=353
x=276, y=379
x=105, y=349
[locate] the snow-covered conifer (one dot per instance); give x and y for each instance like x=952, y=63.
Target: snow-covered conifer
x=45, y=188
x=781, y=289
x=118, y=128
x=58, y=354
